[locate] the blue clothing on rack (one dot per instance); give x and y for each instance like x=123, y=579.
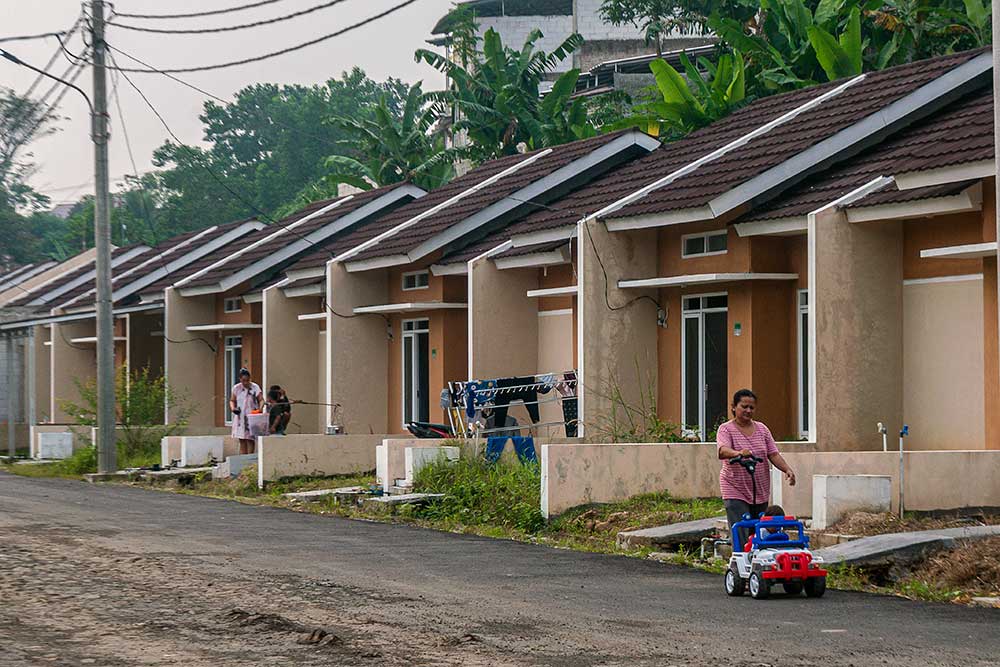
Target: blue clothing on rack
x=523, y=446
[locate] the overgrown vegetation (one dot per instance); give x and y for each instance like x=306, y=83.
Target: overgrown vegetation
x=629, y=421
x=141, y=398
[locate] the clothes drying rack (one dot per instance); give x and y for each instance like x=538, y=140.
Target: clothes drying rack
x=455, y=399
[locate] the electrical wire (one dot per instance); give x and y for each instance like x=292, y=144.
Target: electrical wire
x=274, y=54
x=316, y=137
x=213, y=12
x=19, y=38
x=230, y=28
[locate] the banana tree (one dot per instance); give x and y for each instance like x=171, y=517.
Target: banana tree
x=692, y=100
x=394, y=147
x=496, y=101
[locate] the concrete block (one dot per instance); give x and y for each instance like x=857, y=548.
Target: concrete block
x=198, y=450
x=170, y=450
x=418, y=457
x=382, y=466
x=340, y=494
x=389, y=504
x=687, y=532
x=834, y=496
x=233, y=466
x=55, y=445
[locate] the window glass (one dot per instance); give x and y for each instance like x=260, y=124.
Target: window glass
x=694, y=245
x=417, y=280
x=717, y=242
x=720, y=301
x=692, y=303
x=233, y=305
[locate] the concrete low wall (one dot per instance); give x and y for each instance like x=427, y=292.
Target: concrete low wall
x=81, y=435
x=941, y=480
x=574, y=475
x=314, y=455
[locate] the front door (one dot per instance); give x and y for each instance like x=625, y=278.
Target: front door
x=416, y=371
x=705, y=370
x=234, y=361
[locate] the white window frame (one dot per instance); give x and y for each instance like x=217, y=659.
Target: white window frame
x=406, y=275
x=704, y=235
x=699, y=315
x=802, y=368
x=412, y=334
x=229, y=370
x=227, y=305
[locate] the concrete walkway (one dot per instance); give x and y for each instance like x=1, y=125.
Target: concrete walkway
x=901, y=548
x=669, y=536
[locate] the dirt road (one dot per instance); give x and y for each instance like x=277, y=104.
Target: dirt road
x=112, y=575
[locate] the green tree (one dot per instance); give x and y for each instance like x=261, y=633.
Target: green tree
x=496, y=101
x=660, y=18
x=393, y=146
x=692, y=100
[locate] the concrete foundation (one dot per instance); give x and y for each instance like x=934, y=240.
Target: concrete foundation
x=199, y=449
x=233, y=466
x=55, y=445
x=416, y=458
x=835, y=496
x=314, y=455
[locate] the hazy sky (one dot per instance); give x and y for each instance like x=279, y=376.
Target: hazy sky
x=65, y=160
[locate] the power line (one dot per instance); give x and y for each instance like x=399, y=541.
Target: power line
x=244, y=26
x=20, y=38
x=213, y=12
x=197, y=159
x=274, y=54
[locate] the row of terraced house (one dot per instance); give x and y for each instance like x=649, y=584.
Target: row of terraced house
x=833, y=248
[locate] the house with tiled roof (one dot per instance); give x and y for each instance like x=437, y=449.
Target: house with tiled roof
x=216, y=315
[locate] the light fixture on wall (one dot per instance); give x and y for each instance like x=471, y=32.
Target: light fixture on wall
x=661, y=317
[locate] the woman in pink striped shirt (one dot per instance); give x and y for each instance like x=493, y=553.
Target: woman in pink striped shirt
x=742, y=436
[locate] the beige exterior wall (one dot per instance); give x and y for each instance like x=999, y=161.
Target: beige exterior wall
x=56, y=271
x=503, y=327
x=189, y=363
x=358, y=362
x=943, y=365
x=857, y=305
x=290, y=359
x=43, y=375
x=314, y=455
x=617, y=346
x=71, y=363
x=555, y=352
x=574, y=475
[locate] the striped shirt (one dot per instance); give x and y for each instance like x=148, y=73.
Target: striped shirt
x=734, y=480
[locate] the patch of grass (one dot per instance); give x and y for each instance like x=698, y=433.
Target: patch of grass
x=479, y=493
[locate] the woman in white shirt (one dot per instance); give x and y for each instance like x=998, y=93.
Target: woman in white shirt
x=244, y=399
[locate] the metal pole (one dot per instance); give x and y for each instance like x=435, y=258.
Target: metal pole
x=106, y=454
x=902, y=434
x=11, y=390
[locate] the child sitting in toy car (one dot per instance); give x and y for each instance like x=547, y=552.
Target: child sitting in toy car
x=776, y=533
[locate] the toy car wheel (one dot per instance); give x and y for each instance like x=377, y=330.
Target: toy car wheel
x=815, y=587
x=735, y=586
x=760, y=588
x=792, y=587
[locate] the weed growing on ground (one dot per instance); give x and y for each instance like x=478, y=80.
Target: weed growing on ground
x=501, y=494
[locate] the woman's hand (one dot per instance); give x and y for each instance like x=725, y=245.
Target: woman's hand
x=746, y=453
x=790, y=476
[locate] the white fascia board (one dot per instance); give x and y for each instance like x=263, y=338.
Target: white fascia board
x=312, y=316
x=778, y=227
x=969, y=171
x=570, y=290
x=267, y=239
x=316, y=289
x=719, y=152
x=538, y=188
x=223, y=327
x=322, y=234
x=24, y=274
x=922, y=208
x=544, y=236
x=967, y=251
x=456, y=269
x=921, y=101
x=408, y=307
x=53, y=318
x=346, y=255
x=8, y=278
x=253, y=297
x=302, y=274
x=377, y=263
x=665, y=219
x=702, y=279
x=535, y=260
x=88, y=276
x=194, y=255
x=93, y=339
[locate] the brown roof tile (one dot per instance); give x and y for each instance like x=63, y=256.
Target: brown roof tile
x=961, y=132
x=413, y=236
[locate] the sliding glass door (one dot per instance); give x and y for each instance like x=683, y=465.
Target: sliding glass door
x=705, y=368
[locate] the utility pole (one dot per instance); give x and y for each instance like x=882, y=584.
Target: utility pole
x=11, y=393
x=106, y=422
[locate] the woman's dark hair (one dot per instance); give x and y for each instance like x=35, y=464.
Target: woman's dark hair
x=274, y=394
x=774, y=510
x=244, y=371
x=741, y=394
